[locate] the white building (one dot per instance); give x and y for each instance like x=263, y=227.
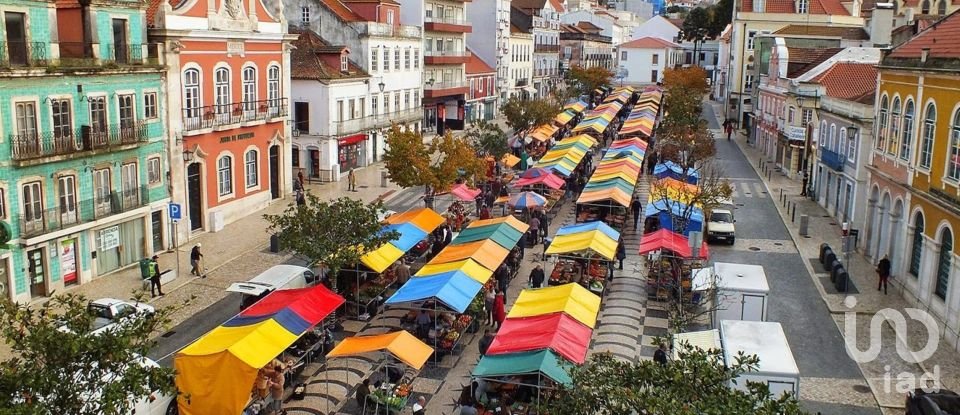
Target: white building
x=542, y=19
x=521, y=64
x=645, y=59
x=490, y=38
x=641, y=8
x=599, y=18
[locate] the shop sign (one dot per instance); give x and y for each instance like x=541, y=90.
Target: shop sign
x=68, y=260
x=235, y=47
x=236, y=137
x=796, y=133
x=109, y=238
x=353, y=139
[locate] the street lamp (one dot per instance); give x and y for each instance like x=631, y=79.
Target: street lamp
x=381, y=85
x=187, y=156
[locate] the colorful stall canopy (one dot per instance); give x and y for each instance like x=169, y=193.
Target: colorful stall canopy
x=543, y=362
x=510, y=160
x=402, y=345
x=454, y=289
x=597, y=125
x=596, y=237
x=486, y=252
x=413, y=226
x=572, y=298
x=505, y=231
x=527, y=200
x=666, y=240
x=551, y=180
x=565, y=116
x=667, y=210
x=469, y=267
x=577, y=106
x=673, y=189
x=558, y=332
x=612, y=194
x=543, y=132
x=424, y=218
x=671, y=169
x=218, y=370
x=464, y=192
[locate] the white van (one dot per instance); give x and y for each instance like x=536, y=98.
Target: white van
x=279, y=277
x=157, y=403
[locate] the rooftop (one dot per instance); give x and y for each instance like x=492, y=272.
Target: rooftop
x=850, y=33
x=308, y=60
x=649, y=43
x=941, y=41
x=829, y=7
x=802, y=60
x=850, y=81
x=476, y=66
x=342, y=10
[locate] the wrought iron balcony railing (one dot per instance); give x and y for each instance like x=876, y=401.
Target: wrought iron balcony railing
x=34, y=223
x=24, y=53
x=832, y=159
x=213, y=116
x=35, y=145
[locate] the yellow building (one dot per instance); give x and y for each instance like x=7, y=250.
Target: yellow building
x=916, y=164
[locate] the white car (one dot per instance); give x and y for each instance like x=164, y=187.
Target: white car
x=720, y=226
x=108, y=312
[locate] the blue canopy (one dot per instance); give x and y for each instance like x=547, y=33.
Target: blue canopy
x=671, y=169
x=453, y=288
x=410, y=235
x=667, y=210
x=590, y=226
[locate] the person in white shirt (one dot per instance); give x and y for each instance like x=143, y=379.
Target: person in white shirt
x=419, y=408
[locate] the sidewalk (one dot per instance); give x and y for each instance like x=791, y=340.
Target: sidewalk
x=864, y=301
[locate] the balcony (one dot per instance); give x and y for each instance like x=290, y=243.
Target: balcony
x=546, y=48
x=521, y=82
x=446, y=57
x=219, y=116
x=386, y=30
x=85, y=211
x=442, y=89
x=78, y=142
x=75, y=54
x=373, y=122
x=443, y=24
x=831, y=159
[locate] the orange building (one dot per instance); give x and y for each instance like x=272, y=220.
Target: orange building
x=227, y=87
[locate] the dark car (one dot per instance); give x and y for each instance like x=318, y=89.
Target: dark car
x=941, y=402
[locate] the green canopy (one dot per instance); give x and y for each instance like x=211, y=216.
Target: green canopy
x=528, y=363
x=503, y=234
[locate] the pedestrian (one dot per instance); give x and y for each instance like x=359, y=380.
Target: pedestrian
x=534, y=232
x=660, y=356
x=536, y=276
x=503, y=279
x=544, y=224
x=485, y=342
x=883, y=271
x=729, y=129
x=352, y=181
x=484, y=212
x=196, y=262
x=300, y=178
x=468, y=409
x=301, y=199
x=420, y=407
x=276, y=388
x=488, y=300
x=635, y=207
x=155, y=277
x=402, y=272
x=621, y=252
x=478, y=201
x=499, y=314
x=363, y=390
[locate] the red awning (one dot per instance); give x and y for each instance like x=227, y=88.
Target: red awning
x=558, y=332
x=295, y=309
x=462, y=192
x=550, y=180
x=673, y=242
x=351, y=139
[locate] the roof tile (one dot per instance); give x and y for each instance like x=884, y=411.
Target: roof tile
x=306, y=61
x=649, y=43
x=476, y=66
x=941, y=38
x=849, y=81
x=850, y=33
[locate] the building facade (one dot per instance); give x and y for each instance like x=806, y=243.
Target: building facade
x=583, y=45
x=227, y=71
x=83, y=182
x=521, y=64
x=644, y=60
x=490, y=39
x=542, y=19
x=482, y=99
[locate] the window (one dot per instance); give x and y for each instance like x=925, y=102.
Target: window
x=225, y=175
x=943, y=264
x=374, y=60
x=221, y=90
x=363, y=107
x=390, y=17
x=791, y=114
x=396, y=58
x=654, y=76
x=406, y=99
x=129, y=184
x=386, y=59
x=750, y=37
x=942, y=8
x=32, y=206
x=926, y=145
x=953, y=162
x=748, y=86
x=344, y=64
x=906, y=144
x=806, y=116
x=305, y=15
x=406, y=59
x=150, y=105
x=127, y=111
x=916, y=252
x=98, y=118
x=62, y=127
x=396, y=101
x=249, y=88
x=353, y=109
x=374, y=104
x=386, y=103
x=842, y=147
x=26, y=120
x=250, y=168
x=273, y=88
x=295, y=157
x=416, y=97
x=67, y=198
x=623, y=55
x=102, y=190
x=882, y=126
x=852, y=144
x=655, y=59
x=893, y=141
x=823, y=134
x=925, y=7
x=803, y=6
x=416, y=58
x=191, y=93
x=153, y=170
x=3, y=204
x=340, y=113
x=833, y=137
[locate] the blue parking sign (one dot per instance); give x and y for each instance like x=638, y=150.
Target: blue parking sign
x=174, y=210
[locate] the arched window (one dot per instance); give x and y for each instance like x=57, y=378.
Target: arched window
x=894, y=138
x=842, y=145
x=906, y=144
x=926, y=143
x=221, y=90
x=925, y=7
x=884, y=123
x=943, y=264
x=191, y=93
x=273, y=88
x=225, y=175
x=833, y=138
x=953, y=155
x=942, y=8
x=250, y=168
x=249, y=88
x=916, y=252
x=823, y=134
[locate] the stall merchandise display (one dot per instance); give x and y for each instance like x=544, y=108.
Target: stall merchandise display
x=567, y=271
x=393, y=397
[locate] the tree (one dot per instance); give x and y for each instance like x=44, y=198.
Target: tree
x=55, y=371
x=435, y=166
x=721, y=14
x=684, y=89
x=334, y=234
x=695, y=383
x=589, y=79
x=524, y=115
x=488, y=139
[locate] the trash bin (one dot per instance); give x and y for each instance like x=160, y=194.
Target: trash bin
x=841, y=283
x=836, y=267
x=828, y=259
x=823, y=251
x=274, y=244
x=145, y=268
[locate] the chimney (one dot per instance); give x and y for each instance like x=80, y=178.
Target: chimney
x=881, y=25
x=924, y=54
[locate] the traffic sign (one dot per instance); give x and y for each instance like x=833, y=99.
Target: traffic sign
x=174, y=210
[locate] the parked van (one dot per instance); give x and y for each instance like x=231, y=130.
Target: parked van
x=279, y=277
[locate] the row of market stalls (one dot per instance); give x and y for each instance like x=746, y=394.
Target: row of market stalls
x=643, y=116
x=610, y=191
x=546, y=333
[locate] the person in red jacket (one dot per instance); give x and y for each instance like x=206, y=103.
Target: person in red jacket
x=499, y=314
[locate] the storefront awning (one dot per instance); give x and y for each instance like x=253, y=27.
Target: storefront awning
x=400, y=344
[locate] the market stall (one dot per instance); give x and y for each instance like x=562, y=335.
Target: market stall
x=585, y=255
x=672, y=215
x=565, y=156
x=671, y=263
x=400, y=346
x=572, y=299
x=558, y=332
x=216, y=373
x=674, y=170
x=672, y=189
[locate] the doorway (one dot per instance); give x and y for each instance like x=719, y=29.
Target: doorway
x=16, y=29
x=156, y=226
x=36, y=272
x=195, y=196
x=275, y=172
x=120, y=41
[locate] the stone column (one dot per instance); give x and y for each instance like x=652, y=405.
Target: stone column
x=869, y=234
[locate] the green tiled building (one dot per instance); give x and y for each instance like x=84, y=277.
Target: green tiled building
x=83, y=143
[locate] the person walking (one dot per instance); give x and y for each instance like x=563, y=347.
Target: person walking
x=488, y=300
x=155, y=277
x=485, y=342
x=420, y=408
x=621, y=252
x=635, y=207
x=352, y=181
x=883, y=271
x=196, y=262
x=536, y=276
x=499, y=313
x=660, y=356
x=403, y=272
x=728, y=128
x=534, y=232
x=502, y=274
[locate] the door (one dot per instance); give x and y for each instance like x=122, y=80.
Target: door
x=68, y=199
x=301, y=117
x=275, y=172
x=314, y=163
x=120, y=41
x=195, y=196
x=102, y=192
x=68, y=261
x=156, y=225
x=753, y=308
x=36, y=272
x=130, y=185
x=16, y=28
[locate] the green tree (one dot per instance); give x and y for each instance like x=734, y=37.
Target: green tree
x=721, y=14
x=332, y=233
x=57, y=371
x=588, y=79
x=524, y=115
x=696, y=383
x=684, y=89
x=436, y=165
x=488, y=139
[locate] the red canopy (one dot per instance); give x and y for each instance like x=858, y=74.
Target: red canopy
x=673, y=242
x=463, y=192
x=294, y=309
x=558, y=332
x=550, y=180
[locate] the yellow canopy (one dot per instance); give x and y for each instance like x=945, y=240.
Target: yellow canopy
x=674, y=190
x=486, y=252
x=470, y=267
x=424, y=218
x=612, y=193
x=510, y=160
x=571, y=299
x=227, y=353
x=595, y=240
x=509, y=220
x=381, y=258
x=543, y=132
x=402, y=345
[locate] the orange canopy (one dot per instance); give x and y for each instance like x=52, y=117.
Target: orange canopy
x=402, y=345
x=486, y=252
x=423, y=218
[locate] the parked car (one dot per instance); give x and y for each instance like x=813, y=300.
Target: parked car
x=108, y=312
x=720, y=226
x=941, y=402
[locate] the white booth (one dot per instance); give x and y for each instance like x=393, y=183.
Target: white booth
x=738, y=291
x=706, y=340
x=777, y=367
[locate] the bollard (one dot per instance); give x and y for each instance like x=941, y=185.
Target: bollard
x=793, y=213
x=804, y=224
x=769, y=174
x=383, y=178
x=781, y=194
